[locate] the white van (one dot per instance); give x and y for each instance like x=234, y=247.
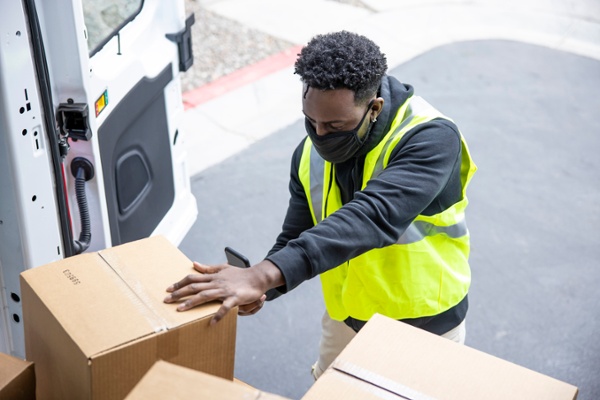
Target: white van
x=90, y=150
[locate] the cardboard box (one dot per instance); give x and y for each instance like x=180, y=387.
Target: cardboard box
x=388, y=359
x=168, y=381
x=17, y=378
x=95, y=323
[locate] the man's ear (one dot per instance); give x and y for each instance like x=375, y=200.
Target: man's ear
x=377, y=107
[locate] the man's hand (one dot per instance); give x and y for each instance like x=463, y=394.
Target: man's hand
x=242, y=287
x=252, y=308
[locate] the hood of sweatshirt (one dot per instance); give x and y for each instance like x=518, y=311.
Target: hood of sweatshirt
x=349, y=173
x=394, y=94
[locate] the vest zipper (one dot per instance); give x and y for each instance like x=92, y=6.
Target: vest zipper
x=355, y=177
x=328, y=190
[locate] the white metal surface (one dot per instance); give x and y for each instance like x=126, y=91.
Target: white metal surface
x=29, y=229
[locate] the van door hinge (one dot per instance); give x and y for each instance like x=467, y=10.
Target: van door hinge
x=184, y=44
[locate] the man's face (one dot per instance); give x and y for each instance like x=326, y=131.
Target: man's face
x=330, y=111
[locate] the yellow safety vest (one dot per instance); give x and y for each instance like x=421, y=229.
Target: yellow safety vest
x=426, y=272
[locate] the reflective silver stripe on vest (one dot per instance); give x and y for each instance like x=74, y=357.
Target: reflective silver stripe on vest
x=419, y=230
x=317, y=169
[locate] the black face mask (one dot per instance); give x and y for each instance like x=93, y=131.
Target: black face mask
x=338, y=147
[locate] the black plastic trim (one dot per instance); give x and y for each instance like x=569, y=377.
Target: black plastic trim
x=138, y=199
x=183, y=39
x=43, y=77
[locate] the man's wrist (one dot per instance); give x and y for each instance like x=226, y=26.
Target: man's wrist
x=269, y=275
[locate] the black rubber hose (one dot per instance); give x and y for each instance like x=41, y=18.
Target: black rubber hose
x=85, y=237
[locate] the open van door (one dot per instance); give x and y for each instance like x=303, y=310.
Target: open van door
x=90, y=151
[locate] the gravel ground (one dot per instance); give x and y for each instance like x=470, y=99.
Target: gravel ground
x=222, y=46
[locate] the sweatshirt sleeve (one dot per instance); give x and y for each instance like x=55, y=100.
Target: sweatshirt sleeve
x=419, y=169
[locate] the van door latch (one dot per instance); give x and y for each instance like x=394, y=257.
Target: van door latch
x=73, y=120
x=184, y=43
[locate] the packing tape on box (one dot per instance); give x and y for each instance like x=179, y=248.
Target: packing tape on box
x=135, y=291
x=379, y=381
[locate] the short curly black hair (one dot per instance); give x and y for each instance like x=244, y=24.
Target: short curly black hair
x=342, y=60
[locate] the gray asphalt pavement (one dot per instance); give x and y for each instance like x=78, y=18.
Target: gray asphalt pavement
x=529, y=114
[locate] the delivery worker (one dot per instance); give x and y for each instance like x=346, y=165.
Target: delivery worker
x=377, y=208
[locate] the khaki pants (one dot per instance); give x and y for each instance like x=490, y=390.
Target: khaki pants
x=336, y=335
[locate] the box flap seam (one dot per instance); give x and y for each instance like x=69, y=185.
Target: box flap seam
x=380, y=381
x=139, y=298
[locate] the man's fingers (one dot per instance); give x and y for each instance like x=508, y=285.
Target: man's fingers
x=249, y=311
x=192, y=278
x=200, y=298
x=203, y=269
x=188, y=280
x=252, y=308
x=189, y=290
x=227, y=305
x=207, y=269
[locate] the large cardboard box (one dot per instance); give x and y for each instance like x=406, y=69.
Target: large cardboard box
x=168, y=381
x=388, y=359
x=95, y=323
x=17, y=378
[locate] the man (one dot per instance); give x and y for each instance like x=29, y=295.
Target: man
x=378, y=194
